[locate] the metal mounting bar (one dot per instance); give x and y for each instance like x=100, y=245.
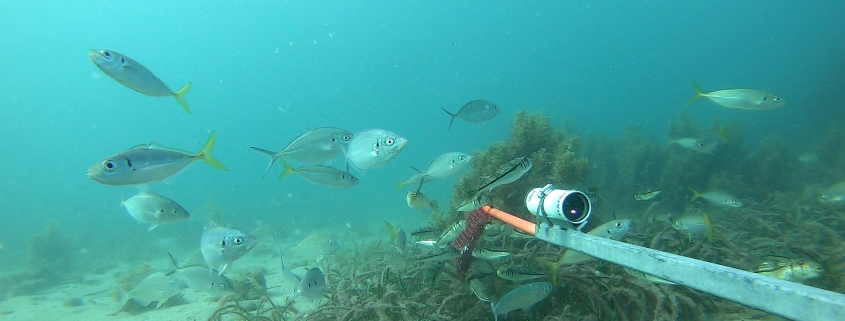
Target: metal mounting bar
x=786, y=299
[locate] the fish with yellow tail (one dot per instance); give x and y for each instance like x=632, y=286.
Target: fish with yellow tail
x=719, y=198
x=135, y=76
x=748, y=99
x=149, y=163
x=694, y=225
x=614, y=230
x=397, y=237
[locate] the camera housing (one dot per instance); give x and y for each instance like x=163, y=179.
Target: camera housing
x=569, y=206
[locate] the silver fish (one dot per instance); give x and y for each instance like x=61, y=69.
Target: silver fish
x=833, y=195
x=426, y=243
x=473, y=203
x=373, y=148
x=695, y=225
x=518, y=273
x=154, y=209
x=447, y=165
x=156, y=287
x=321, y=174
x=315, y=247
x=135, y=76
x=523, y=297
x=417, y=180
x=287, y=275
x=749, y=99
x=614, y=230
x=488, y=255
x=706, y=144
x=220, y=246
x=452, y=233
x=506, y=174
x=313, y=146
x=199, y=278
x=717, y=197
x=313, y=285
x=418, y=201
x=444, y=255
x=646, y=195
x=397, y=237
x=475, y=111
x=145, y=164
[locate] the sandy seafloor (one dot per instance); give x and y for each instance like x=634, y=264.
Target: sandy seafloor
x=100, y=301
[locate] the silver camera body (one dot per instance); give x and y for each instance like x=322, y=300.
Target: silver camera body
x=567, y=208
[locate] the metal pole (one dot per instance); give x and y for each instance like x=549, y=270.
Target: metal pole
x=787, y=299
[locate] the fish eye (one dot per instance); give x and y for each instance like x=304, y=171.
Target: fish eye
x=221, y=286
x=462, y=157
x=239, y=240
x=109, y=165
x=619, y=224
x=106, y=53
x=389, y=141
x=733, y=201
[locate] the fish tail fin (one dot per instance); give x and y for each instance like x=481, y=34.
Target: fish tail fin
x=709, y=226
x=180, y=97
x=288, y=170
x=450, y=115
x=552, y=267
x=399, y=185
x=695, y=194
x=205, y=153
x=270, y=154
x=493, y=307
x=698, y=93
x=723, y=133
x=393, y=231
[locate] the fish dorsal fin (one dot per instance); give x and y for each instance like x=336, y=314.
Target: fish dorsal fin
x=158, y=146
x=141, y=146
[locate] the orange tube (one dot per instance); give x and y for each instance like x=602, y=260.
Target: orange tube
x=511, y=220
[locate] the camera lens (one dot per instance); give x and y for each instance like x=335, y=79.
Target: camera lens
x=576, y=207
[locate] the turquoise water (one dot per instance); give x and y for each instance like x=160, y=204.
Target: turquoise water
x=265, y=71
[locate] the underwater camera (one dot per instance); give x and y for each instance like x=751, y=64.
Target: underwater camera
x=569, y=206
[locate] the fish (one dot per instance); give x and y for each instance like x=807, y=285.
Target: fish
x=315, y=247
x=482, y=290
x=506, y=174
x=717, y=197
x=418, y=201
x=316, y=145
x=157, y=287
x=646, y=195
x=199, y=278
x=615, y=230
x=523, y=297
x=287, y=275
x=476, y=111
x=451, y=233
x=686, y=142
x=518, y=273
x=397, y=237
x=154, y=209
x=220, y=246
x=706, y=144
x=135, y=76
x=313, y=284
x=373, y=148
x=834, y=194
x=427, y=243
x=809, y=158
x=695, y=225
x=144, y=164
x=793, y=270
x=418, y=179
x=447, y=164
x=748, y=99
x=473, y=203
x=647, y=277
x=444, y=255
x=488, y=255
x=425, y=231
x=322, y=175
